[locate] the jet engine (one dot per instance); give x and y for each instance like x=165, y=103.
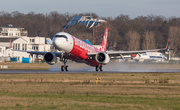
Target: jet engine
x=102, y=58
x=50, y=58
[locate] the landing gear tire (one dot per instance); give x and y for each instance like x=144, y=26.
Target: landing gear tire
x=66, y=68
x=97, y=68
x=101, y=68
x=62, y=68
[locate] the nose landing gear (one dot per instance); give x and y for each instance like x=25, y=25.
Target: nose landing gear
x=64, y=67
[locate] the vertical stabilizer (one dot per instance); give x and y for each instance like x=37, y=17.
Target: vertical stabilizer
x=167, y=45
x=87, y=41
x=104, y=42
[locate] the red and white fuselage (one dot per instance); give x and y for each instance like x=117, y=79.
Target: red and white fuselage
x=77, y=49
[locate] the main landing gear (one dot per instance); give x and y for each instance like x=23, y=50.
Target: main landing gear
x=99, y=67
x=64, y=67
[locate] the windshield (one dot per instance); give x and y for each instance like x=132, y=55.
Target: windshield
x=61, y=36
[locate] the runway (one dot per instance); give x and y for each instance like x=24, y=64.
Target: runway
x=84, y=72
x=110, y=68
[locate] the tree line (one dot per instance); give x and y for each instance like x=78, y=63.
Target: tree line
x=142, y=32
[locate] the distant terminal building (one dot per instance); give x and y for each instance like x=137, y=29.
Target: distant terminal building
x=11, y=31
x=22, y=43
x=17, y=39
x=88, y=21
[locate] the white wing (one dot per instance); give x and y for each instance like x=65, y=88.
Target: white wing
x=122, y=53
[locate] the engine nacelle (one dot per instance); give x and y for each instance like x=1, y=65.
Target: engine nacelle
x=102, y=58
x=50, y=58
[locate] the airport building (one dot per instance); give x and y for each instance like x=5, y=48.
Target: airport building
x=11, y=31
x=88, y=21
x=17, y=39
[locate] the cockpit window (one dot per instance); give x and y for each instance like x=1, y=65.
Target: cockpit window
x=61, y=36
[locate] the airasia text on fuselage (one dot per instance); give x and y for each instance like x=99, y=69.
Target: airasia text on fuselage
x=84, y=45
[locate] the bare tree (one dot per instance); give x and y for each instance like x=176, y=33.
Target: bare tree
x=120, y=35
x=174, y=34
x=149, y=41
x=133, y=40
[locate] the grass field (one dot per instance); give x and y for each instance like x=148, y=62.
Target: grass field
x=123, y=91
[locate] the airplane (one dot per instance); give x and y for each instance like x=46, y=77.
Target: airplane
x=148, y=56
x=79, y=51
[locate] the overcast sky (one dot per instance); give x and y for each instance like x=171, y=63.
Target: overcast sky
x=103, y=8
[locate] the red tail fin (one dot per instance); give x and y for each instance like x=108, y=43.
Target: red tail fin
x=167, y=44
x=104, y=42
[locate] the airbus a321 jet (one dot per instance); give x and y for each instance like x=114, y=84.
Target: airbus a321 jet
x=79, y=51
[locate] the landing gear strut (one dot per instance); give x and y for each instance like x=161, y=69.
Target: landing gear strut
x=64, y=67
x=99, y=67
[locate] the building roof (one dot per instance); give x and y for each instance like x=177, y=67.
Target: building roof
x=82, y=17
x=10, y=26
x=83, y=20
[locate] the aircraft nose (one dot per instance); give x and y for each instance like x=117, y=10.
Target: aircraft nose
x=63, y=42
x=54, y=44
x=58, y=42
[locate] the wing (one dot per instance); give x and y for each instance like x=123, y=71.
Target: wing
x=31, y=52
x=115, y=54
x=122, y=53
x=58, y=54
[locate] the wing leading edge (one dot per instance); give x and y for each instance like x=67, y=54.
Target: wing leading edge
x=39, y=52
x=119, y=53
x=122, y=53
